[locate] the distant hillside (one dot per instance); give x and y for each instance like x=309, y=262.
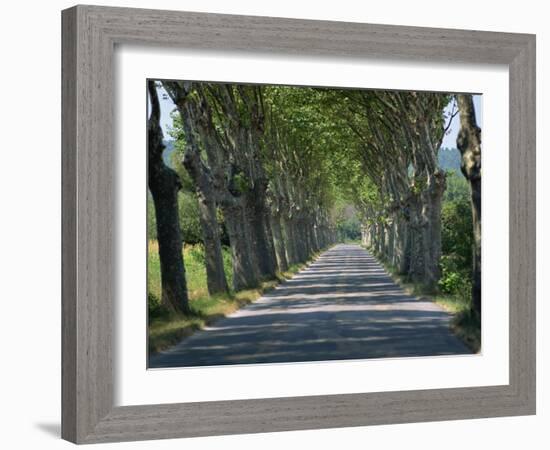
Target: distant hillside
x=449, y=159
x=167, y=154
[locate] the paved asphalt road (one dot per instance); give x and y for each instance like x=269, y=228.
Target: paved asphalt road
x=343, y=306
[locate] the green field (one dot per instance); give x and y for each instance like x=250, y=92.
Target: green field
x=167, y=328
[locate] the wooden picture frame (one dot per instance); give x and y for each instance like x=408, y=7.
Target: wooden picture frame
x=89, y=37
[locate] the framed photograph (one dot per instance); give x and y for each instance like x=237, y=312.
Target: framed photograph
x=275, y=224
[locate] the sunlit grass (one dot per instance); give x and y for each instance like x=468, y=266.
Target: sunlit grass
x=168, y=328
x=465, y=324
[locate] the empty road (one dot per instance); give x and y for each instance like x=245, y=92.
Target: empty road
x=343, y=306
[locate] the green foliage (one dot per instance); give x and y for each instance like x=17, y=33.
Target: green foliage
x=349, y=229
x=456, y=226
x=465, y=323
x=334, y=153
x=419, y=184
x=176, y=158
x=196, y=254
x=168, y=153
x=241, y=183
x=188, y=210
x=467, y=326
x=454, y=279
x=348, y=225
x=457, y=188
x=188, y=207
x=151, y=218
x=450, y=281
x=166, y=328
x=449, y=160
x=195, y=272
x=456, y=239
x=155, y=309
x=176, y=133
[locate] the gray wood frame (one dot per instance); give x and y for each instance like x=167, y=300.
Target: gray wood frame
x=89, y=36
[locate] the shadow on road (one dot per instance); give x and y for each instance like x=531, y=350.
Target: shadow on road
x=343, y=306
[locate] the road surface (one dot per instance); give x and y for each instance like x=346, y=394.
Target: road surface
x=343, y=306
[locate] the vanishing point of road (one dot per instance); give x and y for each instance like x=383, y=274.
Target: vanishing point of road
x=342, y=306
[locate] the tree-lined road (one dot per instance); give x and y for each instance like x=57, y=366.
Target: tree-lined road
x=343, y=306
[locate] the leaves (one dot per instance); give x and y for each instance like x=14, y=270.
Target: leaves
x=318, y=146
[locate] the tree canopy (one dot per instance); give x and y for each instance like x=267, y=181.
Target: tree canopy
x=286, y=171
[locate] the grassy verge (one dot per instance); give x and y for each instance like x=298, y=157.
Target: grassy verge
x=166, y=328
x=352, y=241
x=465, y=325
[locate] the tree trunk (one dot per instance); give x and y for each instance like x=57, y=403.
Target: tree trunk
x=164, y=185
x=432, y=230
x=382, y=241
x=415, y=244
x=364, y=235
x=288, y=237
x=260, y=233
x=390, y=238
x=215, y=273
x=373, y=238
x=315, y=235
x=202, y=180
x=305, y=240
x=469, y=144
x=476, y=219
x=245, y=274
x=401, y=257
x=308, y=238
x=279, y=242
x=172, y=269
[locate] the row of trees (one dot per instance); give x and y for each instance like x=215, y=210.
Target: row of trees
x=276, y=161
x=398, y=136
x=246, y=163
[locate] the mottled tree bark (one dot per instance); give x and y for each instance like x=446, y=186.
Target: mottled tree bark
x=469, y=144
x=260, y=231
x=382, y=239
x=431, y=239
x=279, y=242
x=215, y=273
x=164, y=185
x=372, y=234
x=415, y=244
x=245, y=273
x=314, y=235
x=308, y=239
x=390, y=242
x=202, y=180
x=364, y=235
x=401, y=254
x=290, y=241
x=301, y=237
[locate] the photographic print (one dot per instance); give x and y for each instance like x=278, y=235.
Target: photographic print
x=314, y=234
x=291, y=224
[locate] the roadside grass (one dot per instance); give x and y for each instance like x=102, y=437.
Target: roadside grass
x=166, y=328
x=464, y=324
x=352, y=241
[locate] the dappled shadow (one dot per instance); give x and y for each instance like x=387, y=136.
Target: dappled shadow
x=344, y=306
